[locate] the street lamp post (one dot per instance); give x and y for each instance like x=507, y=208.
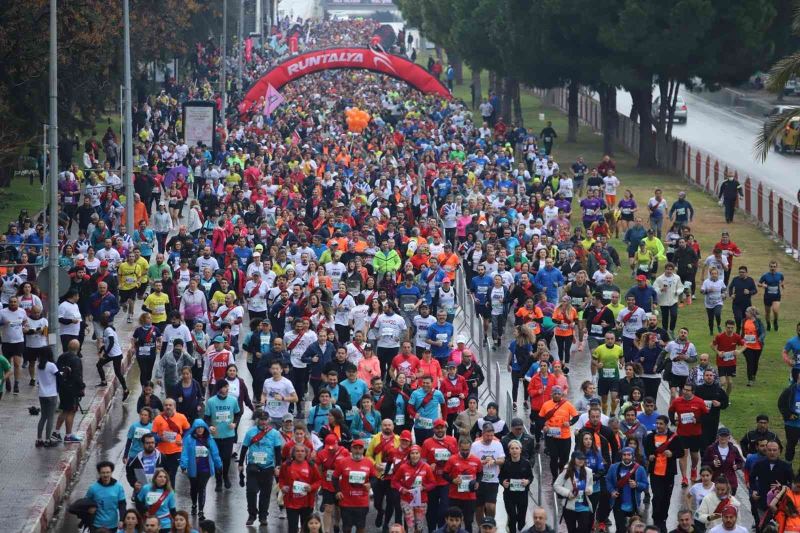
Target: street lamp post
x=128, y=160
x=222, y=76
x=53, y=141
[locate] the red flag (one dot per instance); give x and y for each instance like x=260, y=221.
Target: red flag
x=295, y=137
x=248, y=49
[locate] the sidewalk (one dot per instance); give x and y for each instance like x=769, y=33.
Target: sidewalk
x=47, y=472
x=756, y=103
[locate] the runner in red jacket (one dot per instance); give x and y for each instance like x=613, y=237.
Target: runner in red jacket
x=687, y=412
x=436, y=451
x=455, y=391
x=299, y=481
x=463, y=471
x=327, y=458
x=413, y=479
x=351, y=478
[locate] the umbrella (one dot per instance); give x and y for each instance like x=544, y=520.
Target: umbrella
x=172, y=174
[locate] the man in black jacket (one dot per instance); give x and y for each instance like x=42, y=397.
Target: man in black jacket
x=729, y=191
x=383, y=399
x=662, y=448
x=142, y=466
x=70, y=389
x=788, y=406
x=767, y=473
x=716, y=399
x=519, y=434
x=749, y=442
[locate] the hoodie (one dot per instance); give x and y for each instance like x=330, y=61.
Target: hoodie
x=196, y=450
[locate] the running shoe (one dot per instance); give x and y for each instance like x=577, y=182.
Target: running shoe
x=72, y=438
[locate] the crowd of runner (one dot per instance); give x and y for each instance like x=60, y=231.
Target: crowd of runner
x=326, y=263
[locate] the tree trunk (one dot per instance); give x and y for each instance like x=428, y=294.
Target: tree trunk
x=642, y=97
x=661, y=119
x=458, y=66
x=572, y=112
x=476, y=88
x=517, y=105
x=609, y=116
x=508, y=98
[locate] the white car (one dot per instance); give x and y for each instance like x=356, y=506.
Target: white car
x=681, y=111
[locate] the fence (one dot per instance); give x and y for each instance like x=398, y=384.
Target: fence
x=767, y=207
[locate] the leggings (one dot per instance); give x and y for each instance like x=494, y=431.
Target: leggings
x=559, y=453
x=498, y=326
x=117, y=362
x=792, y=438
x=161, y=238
x=564, y=345
x=752, y=357
x=715, y=313
x=299, y=378
x=48, y=406
x=225, y=447
x=414, y=517
x=197, y=489
x=516, y=504
x=738, y=316
x=516, y=377
x=146, y=365
x=578, y=522
x=297, y=518
x=651, y=386
x=669, y=316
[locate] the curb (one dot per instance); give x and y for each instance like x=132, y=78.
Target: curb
x=44, y=508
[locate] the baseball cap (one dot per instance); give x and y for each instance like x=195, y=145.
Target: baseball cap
x=405, y=435
x=723, y=432
x=488, y=521
x=103, y=263
x=219, y=338
x=288, y=417
x=556, y=390
x=578, y=455
x=641, y=277
x=462, y=339
x=331, y=440
x=358, y=442
x=729, y=510
x=517, y=423
x=451, y=364
x=256, y=254
x=439, y=423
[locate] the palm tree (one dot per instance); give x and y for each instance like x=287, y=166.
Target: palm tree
x=778, y=76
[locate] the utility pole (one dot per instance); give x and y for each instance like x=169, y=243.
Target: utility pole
x=128, y=160
x=240, y=49
x=53, y=140
x=222, y=64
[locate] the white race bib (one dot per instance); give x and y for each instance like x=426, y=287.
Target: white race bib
x=387, y=332
x=356, y=477
x=152, y=498
x=274, y=404
x=772, y=290
x=597, y=329
x=708, y=403
x=400, y=420
x=145, y=350
x=259, y=458
x=224, y=416
x=687, y=418
x=554, y=432
x=609, y=373
x=728, y=356
x=424, y=423
x=463, y=483
x=300, y=489
x=138, y=433
x=169, y=436
x=329, y=475
x=515, y=485
x=441, y=337
x=200, y=451
x=750, y=339
x=441, y=454
x=453, y=402
x=644, y=268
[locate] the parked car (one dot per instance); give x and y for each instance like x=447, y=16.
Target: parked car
x=681, y=110
x=789, y=139
x=779, y=109
x=792, y=87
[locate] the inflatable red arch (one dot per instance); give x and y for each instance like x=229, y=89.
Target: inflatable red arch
x=348, y=58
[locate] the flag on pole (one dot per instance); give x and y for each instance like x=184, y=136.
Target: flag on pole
x=273, y=100
x=295, y=137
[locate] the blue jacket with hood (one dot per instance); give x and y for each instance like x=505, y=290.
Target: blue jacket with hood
x=188, y=457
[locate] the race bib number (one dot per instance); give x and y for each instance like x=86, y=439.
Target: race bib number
x=489, y=476
x=152, y=497
x=299, y=488
x=644, y=268
x=772, y=289
x=201, y=451
x=329, y=475
x=387, y=332
x=130, y=280
x=563, y=327
x=159, y=309
x=463, y=483
x=516, y=485
x=408, y=307
x=597, y=329
x=424, y=423
x=259, y=458
x=687, y=418
x=441, y=337
x=609, y=373
x=553, y=432
x=728, y=356
x=169, y=436
x=708, y=403
x=797, y=407
x=400, y=420
x=138, y=433
x=441, y=454
x=750, y=339
x=577, y=302
x=224, y=416
x=357, y=478
x=274, y=404
x=452, y=403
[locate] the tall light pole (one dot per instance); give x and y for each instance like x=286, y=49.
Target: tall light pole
x=222, y=65
x=240, y=47
x=53, y=141
x=128, y=160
